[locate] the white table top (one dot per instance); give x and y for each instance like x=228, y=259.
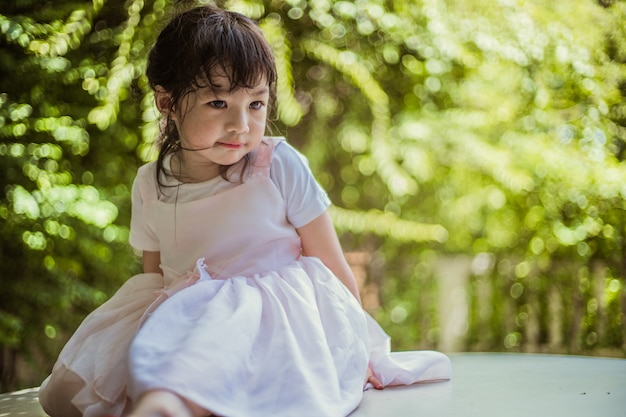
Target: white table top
x=510, y=385
x=483, y=385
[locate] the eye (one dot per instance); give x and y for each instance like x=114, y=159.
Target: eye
x=256, y=105
x=218, y=104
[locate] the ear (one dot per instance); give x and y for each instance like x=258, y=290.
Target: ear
x=163, y=100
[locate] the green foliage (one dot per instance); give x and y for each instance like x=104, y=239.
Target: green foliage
x=496, y=131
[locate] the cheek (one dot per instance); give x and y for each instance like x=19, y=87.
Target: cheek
x=260, y=118
x=193, y=130
x=259, y=127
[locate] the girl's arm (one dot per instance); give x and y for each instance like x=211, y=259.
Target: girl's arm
x=319, y=239
x=152, y=262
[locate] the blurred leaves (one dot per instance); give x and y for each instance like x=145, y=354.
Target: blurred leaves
x=494, y=131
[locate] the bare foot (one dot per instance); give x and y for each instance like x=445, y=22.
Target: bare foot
x=162, y=403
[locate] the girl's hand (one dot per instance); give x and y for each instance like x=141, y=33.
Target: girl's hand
x=371, y=378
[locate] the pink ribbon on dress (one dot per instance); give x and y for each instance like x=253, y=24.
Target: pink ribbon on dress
x=186, y=280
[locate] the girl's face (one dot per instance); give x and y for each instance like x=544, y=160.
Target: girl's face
x=219, y=127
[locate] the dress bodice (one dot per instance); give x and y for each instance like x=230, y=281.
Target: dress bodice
x=241, y=231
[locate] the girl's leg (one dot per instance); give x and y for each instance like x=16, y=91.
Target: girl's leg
x=57, y=391
x=167, y=404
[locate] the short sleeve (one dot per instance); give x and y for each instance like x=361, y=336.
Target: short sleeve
x=305, y=198
x=142, y=234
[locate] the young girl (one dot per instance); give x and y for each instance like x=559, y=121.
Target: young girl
x=246, y=306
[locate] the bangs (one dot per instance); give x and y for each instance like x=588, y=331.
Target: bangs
x=238, y=52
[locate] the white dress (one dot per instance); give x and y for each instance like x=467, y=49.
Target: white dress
x=252, y=328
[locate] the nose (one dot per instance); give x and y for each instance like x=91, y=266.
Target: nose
x=237, y=121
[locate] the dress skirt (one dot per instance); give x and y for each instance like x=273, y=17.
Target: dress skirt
x=289, y=342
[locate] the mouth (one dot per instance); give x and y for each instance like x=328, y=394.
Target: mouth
x=230, y=145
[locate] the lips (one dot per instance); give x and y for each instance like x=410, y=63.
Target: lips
x=230, y=145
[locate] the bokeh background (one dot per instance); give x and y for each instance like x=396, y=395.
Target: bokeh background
x=474, y=151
